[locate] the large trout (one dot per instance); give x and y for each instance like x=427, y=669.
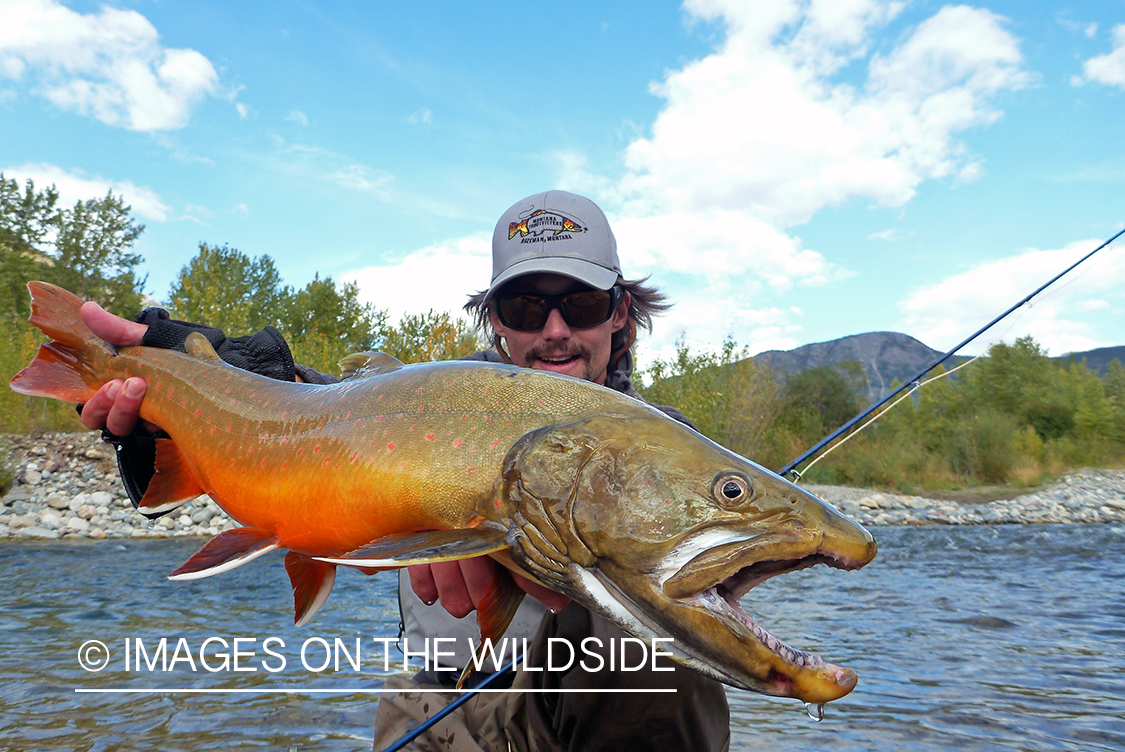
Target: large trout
x=583, y=489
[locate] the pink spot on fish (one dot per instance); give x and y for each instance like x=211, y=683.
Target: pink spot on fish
x=430, y=437
x=391, y=447
x=457, y=442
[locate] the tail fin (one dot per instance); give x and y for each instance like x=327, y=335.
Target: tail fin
x=63, y=368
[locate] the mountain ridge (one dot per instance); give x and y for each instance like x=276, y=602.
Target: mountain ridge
x=890, y=356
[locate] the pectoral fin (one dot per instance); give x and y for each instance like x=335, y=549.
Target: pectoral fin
x=227, y=550
x=312, y=582
x=406, y=549
x=494, y=614
x=171, y=485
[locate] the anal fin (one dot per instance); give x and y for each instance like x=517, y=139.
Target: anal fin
x=171, y=485
x=227, y=550
x=406, y=549
x=312, y=582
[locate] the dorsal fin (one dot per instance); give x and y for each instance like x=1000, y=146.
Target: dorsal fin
x=197, y=346
x=364, y=364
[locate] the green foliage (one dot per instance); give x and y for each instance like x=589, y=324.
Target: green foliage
x=93, y=257
x=224, y=288
x=730, y=399
x=814, y=403
x=26, y=221
x=430, y=337
x=1015, y=417
x=323, y=323
x=86, y=249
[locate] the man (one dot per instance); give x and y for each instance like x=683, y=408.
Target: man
x=557, y=302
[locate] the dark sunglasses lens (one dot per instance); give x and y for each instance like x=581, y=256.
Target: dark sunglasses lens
x=523, y=312
x=587, y=308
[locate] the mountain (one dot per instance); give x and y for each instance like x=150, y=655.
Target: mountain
x=887, y=356
x=1096, y=360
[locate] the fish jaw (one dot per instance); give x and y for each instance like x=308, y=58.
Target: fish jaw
x=629, y=520
x=702, y=596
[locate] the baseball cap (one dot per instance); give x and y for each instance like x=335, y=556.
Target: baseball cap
x=555, y=232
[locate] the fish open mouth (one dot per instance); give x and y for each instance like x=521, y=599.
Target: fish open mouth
x=723, y=599
x=717, y=578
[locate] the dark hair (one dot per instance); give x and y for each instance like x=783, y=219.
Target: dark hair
x=645, y=302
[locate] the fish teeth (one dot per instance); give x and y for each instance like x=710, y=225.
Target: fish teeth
x=712, y=600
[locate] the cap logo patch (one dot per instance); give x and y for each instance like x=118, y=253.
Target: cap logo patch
x=542, y=225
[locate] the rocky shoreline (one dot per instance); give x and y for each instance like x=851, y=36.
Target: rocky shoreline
x=67, y=487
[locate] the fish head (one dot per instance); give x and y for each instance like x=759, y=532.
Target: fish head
x=662, y=531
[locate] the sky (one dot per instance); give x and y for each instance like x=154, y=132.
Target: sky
x=786, y=171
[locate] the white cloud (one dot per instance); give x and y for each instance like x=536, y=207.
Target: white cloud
x=421, y=116
x=108, y=65
x=361, y=178
x=759, y=127
x=439, y=277
x=73, y=187
x=298, y=117
x=1108, y=69
x=945, y=313
x=891, y=235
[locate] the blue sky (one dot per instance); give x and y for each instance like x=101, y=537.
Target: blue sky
x=789, y=172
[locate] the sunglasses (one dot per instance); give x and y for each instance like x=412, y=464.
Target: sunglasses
x=580, y=310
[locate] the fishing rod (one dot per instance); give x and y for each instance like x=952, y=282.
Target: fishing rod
x=790, y=468
x=427, y=724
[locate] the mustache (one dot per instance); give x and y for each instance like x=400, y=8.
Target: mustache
x=575, y=351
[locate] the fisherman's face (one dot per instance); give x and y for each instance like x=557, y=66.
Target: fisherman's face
x=583, y=353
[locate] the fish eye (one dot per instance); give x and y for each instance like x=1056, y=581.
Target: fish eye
x=731, y=489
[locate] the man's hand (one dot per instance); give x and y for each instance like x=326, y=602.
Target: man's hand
x=117, y=405
x=461, y=585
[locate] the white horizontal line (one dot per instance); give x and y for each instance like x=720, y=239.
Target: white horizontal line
x=285, y=691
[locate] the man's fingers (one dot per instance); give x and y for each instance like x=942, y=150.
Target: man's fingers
x=126, y=408
x=113, y=329
x=97, y=408
x=422, y=583
x=453, y=593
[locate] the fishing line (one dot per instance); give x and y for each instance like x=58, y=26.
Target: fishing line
x=914, y=386
x=790, y=468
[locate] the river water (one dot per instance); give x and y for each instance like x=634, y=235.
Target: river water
x=965, y=638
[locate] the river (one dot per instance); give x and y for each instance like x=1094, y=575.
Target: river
x=1006, y=637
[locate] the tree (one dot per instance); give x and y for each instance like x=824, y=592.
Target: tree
x=323, y=323
x=731, y=399
x=225, y=288
x=93, y=257
x=430, y=336
x=26, y=221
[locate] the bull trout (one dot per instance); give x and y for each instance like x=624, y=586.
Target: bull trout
x=586, y=490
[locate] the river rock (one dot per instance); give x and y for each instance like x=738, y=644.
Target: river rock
x=57, y=501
